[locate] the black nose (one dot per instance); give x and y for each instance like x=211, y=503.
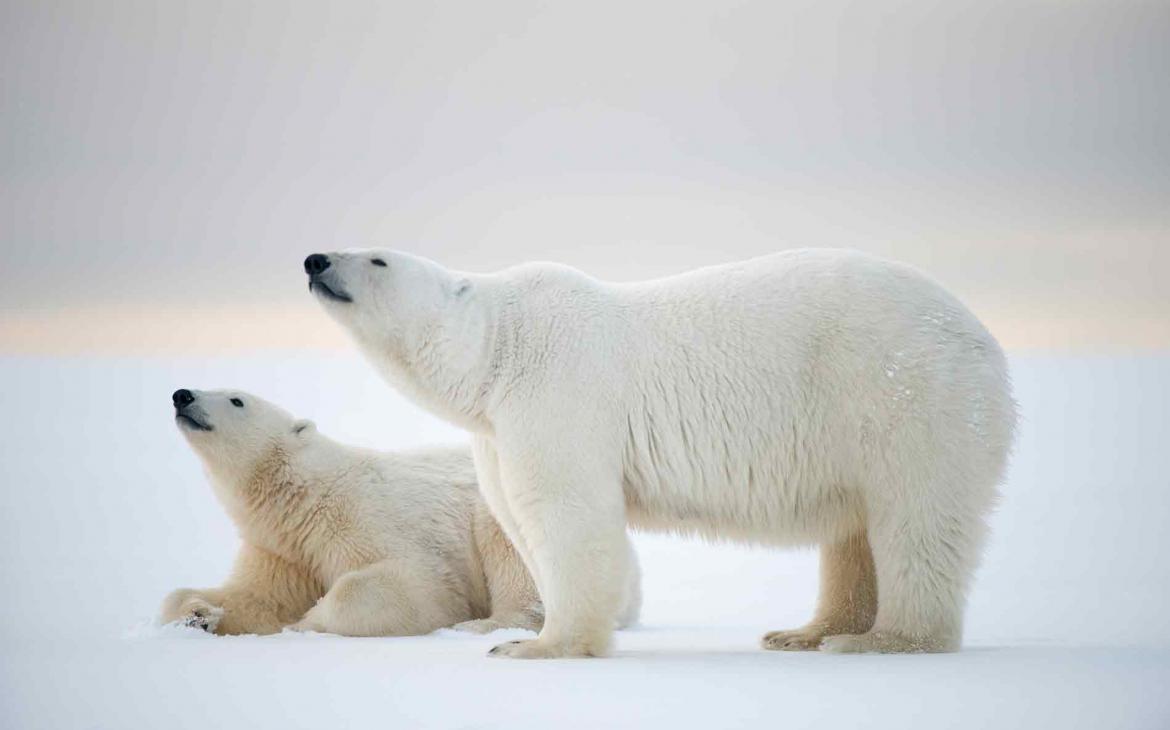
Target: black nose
x=182, y=397
x=316, y=263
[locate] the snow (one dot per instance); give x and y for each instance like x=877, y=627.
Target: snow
x=104, y=510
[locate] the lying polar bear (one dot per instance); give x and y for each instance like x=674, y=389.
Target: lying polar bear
x=345, y=540
x=808, y=397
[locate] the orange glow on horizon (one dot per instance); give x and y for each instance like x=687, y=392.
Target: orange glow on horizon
x=218, y=331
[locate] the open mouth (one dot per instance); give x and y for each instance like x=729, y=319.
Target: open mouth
x=190, y=422
x=319, y=286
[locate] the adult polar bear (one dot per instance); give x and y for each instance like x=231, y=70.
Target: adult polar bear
x=814, y=396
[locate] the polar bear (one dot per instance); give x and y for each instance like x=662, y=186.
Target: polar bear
x=807, y=397
x=345, y=540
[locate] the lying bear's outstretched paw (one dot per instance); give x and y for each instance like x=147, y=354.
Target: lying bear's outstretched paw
x=188, y=608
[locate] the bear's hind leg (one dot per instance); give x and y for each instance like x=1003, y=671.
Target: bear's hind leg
x=847, y=601
x=383, y=599
x=925, y=549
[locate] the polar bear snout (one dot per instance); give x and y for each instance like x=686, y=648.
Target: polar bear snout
x=187, y=413
x=323, y=278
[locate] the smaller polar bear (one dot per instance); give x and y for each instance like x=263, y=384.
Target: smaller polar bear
x=345, y=540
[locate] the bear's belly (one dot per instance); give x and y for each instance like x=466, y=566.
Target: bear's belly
x=722, y=490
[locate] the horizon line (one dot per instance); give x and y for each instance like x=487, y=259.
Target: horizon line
x=114, y=330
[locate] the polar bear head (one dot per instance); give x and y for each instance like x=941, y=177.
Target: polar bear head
x=386, y=299
x=424, y=326
x=234, y=432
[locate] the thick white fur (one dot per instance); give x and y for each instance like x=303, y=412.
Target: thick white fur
x=345, y=540
x=808, y=397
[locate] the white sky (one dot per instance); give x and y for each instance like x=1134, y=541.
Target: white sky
x=167, y=166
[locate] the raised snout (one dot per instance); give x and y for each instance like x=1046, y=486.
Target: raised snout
x=327, y=285
x=188, y=414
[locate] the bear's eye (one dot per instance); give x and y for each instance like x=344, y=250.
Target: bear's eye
x=237, y=403
x=377, y=262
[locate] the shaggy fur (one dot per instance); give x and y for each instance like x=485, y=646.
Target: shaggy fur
x=345, y=540
x=809, y=397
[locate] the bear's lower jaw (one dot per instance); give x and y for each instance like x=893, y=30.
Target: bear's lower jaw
x=188, y=422
x=324, y=290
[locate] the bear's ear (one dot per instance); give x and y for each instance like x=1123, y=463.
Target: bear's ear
x=461, y=288
x=304, y=427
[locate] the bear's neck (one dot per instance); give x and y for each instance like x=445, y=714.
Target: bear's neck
x=280, y=509
x=449, y=369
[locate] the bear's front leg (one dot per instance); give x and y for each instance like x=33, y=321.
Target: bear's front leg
x=263, y=593
x=568, y=507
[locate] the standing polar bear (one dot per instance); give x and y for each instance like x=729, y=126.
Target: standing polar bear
x=345, y=540
x=808, y=397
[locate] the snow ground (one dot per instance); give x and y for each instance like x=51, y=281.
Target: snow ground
x=103, y=510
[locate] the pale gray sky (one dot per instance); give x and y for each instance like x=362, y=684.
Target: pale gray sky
x=166, y=166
